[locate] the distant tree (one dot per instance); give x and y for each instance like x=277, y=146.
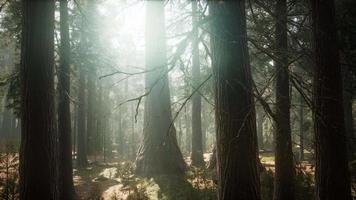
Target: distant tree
x=90, y=45
x=5, y=130
x=285, y=172
x=260, y=115
x=66, y=187
x=38, y=152
x=237, y=162
x=159, y=152
x=197, y=143
x=301, y=127
x=332, y=176
x=82, y=160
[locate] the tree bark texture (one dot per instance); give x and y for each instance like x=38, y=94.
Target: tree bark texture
x=66, y=187
x=284, y=164
x=237, y=158
x=38, y=151
x=197, y=143
x=159, y=152
x=332, y=177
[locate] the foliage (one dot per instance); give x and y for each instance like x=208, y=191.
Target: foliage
x=9, y=177
x=202, y=180
x=304, y=185
x=197, y=184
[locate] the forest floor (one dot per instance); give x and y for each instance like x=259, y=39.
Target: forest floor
x=116, y=181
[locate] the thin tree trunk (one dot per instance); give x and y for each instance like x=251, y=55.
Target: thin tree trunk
x=332, y=178
x=260, y=119
x=66, y=187
x=301, y=128
x=120, y=136
x=92, y=80
x=197, y=143
x=284, y=164
x=38, y=151
x=75, y=129
x=82, y=160
x=238, y=175
x=188, y=132
x=133, y=136
x=91, y=113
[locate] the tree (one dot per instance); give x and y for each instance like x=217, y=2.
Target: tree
x=332, y=176
x=346, y=22
x=6, y=123
x=159, y=152
x=260, y=119
x=238, y=175
x=284, y=174
x=38, y=151
x=197, y=143
x=89, y=35
x=82, y=160
x=301, y=127
x=66, y=187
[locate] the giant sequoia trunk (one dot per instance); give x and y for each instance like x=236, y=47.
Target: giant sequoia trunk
x=238, y=175
x=332, y=175
x=159, y=152
x=284, y=174
x=197, y=143
x=66, y=187
x=38, y=153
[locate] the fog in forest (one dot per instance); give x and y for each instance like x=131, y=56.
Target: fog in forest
x=177, y=100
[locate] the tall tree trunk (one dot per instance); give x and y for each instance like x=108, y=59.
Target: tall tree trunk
x=133, y=135
x=100, y=122
x=260, y=119
x=188, y=132
x=66, y=187
x=301, y=128
x=82, y=160
x=75, y=128
x=348, y=98
x=92, y=80
x=180, y=133
x=204, y=125
x=238, y=175
x=38, y=151
x=197, y=143
x=159, y=152
x=91, y=113
x=284, y=164
x=120, y=136
x=332, y=175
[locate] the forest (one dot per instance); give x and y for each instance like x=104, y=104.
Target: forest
x=177, y=100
